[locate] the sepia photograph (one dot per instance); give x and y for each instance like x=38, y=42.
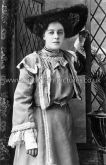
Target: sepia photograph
x=52, y=82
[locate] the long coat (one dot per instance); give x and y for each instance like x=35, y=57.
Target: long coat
x=40, y=120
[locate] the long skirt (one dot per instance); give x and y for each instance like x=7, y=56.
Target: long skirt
x=63, y=150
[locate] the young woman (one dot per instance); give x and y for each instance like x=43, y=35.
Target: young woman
x=42, y=121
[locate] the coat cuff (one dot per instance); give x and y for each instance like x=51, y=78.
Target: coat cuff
x=24, y=133
x=23, y=126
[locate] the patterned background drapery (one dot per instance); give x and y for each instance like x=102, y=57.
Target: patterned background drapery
x=5, y=103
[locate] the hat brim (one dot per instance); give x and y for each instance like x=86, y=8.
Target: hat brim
x=73, y=20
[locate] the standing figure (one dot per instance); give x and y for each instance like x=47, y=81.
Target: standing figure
x=42, y=120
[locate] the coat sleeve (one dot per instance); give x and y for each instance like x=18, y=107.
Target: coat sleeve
x=80, y=64
x=80, y=50
x=79, y=61
x=24, y=128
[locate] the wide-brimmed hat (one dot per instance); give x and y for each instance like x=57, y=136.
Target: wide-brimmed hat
x=73, y=20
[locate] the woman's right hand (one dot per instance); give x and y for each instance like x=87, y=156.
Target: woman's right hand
x=33, y=152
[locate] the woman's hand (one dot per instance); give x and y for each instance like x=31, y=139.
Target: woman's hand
x=33, y=152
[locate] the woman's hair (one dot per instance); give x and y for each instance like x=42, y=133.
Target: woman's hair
x=46, y=25
x=43, y=28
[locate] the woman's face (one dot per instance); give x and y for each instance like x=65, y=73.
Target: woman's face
x=54, y=36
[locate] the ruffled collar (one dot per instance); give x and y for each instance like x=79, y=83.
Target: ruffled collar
x=55, y=58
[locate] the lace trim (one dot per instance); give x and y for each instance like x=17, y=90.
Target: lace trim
x=53, y=60
x=29, y=137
